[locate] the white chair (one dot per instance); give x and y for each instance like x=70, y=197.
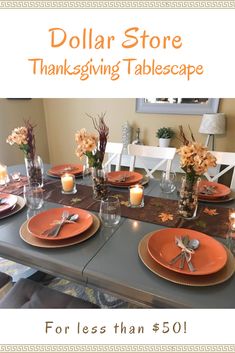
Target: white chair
x=227, y=159
x=114, y=151
x=164, y=156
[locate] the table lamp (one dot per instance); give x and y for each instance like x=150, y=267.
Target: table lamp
x=212, y=124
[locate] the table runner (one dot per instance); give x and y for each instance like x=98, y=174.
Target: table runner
x=210, y=220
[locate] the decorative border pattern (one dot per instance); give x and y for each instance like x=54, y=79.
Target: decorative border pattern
x=117, y=348
x=118, y=4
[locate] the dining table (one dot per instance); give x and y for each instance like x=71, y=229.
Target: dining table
x=109, y=260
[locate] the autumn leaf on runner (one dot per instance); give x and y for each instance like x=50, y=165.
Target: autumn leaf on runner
x=210, y=211
x=166, y=217
x=76, y=200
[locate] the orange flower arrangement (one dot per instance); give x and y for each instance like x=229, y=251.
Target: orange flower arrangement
x=24, y=138
x=91, y=145
x=195, y=159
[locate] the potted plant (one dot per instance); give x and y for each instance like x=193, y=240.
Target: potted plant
x=164, y=135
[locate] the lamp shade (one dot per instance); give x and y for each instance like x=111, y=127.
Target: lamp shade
x=213, y=124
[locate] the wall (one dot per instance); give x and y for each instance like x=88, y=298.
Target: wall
x=12, y=114
x=65, y=116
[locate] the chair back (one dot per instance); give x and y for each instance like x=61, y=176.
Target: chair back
x=114, y=151
x=163, y=156
x=227, y=159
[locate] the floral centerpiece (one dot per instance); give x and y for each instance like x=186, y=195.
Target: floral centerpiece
x=195, y=160
x=24, y=138
x=93, y=147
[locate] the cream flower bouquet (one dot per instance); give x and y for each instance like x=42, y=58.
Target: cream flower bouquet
x=195, y=160
x=91, y=145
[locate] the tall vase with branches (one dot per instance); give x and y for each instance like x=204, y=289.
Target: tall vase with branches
x=93, y=147
x=24, y=138
x=195, y=160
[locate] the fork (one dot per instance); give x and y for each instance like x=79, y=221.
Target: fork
x=55, y=231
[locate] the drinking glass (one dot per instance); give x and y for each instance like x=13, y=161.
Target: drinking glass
x=110, y=211
x=167, y=183
x=33, y=195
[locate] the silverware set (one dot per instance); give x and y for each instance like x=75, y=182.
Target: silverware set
x=122, y=178
x=66, y=170
x=188, y=248
x=66, y=218
x=208, y=190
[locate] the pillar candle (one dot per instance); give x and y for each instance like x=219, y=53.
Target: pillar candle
x=67, y=181
x=232, y=221
x=136, y=195
x=3, y=175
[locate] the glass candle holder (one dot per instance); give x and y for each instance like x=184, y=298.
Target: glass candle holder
x=68, y=184
x=4, y=178
x=136, y=196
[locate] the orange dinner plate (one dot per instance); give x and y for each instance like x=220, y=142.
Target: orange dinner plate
x=45, y=220
x=59, y=170
x=131, y=178
x=209, y=258
x=220, y=190
x=9, y=202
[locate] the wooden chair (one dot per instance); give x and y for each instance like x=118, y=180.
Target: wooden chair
x=114, y=151
x=164, y=156
x=226, y=159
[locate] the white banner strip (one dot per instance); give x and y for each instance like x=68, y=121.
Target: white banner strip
x=92, y=53
x=120, y=326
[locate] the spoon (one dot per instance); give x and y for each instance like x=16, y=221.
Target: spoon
x=73, y=218
x=193, y=245
x=3, y=201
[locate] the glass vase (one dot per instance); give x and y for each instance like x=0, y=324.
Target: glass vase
x=99, y=183
x=34, y=170
x=188, y=201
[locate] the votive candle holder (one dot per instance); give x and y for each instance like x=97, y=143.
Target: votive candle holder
x=68, y=184
x=4, y=178
x=136, y=196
